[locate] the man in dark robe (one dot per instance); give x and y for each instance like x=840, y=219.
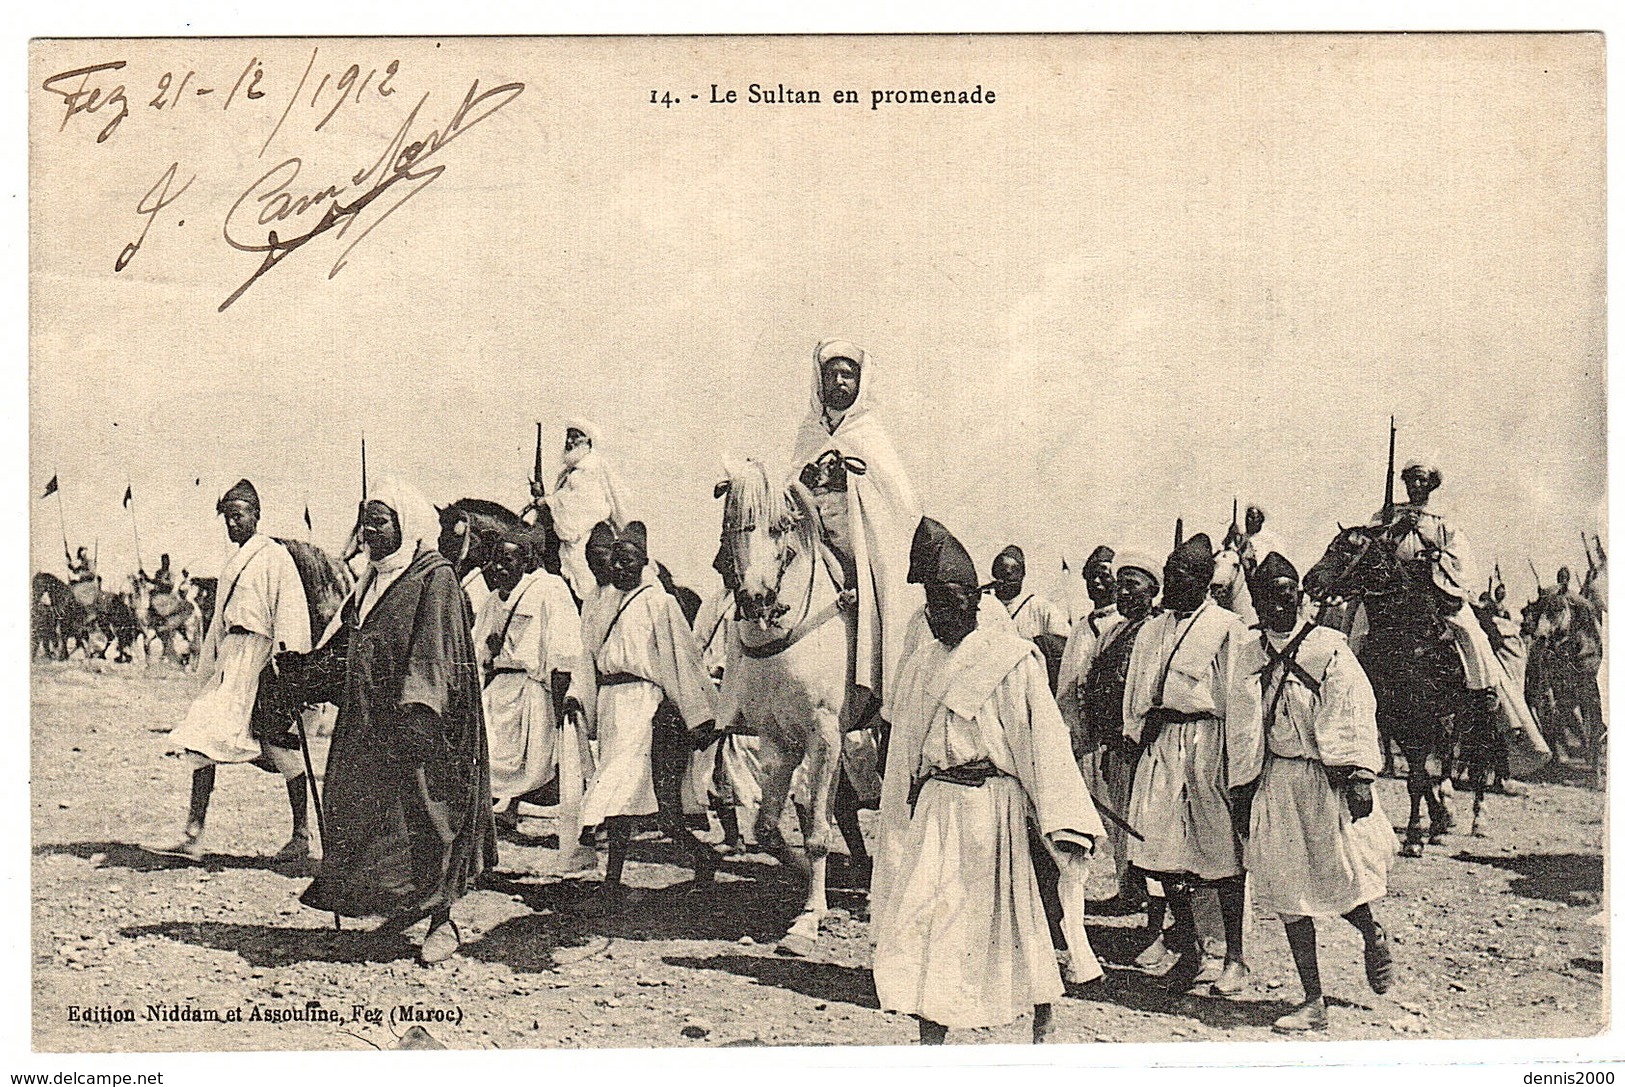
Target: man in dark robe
x=408, y=825
x=1101, y=708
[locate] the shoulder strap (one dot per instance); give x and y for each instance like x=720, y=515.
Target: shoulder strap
x=1288, y=657
x=220, y=615
x=1020, y=607
x=620, y=612
x=515, y=610
x=1168, y=663
x=722, y=617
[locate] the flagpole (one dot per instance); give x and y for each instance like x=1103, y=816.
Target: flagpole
x=62, y=519
x=129, y=494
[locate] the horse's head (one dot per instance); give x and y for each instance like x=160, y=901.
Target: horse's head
x=1360, y=561
x=764, y=528
x=1227, y=575
x=468, y=528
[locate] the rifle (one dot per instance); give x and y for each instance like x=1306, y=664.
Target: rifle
x=1532, y=570
x=536, y=471
x=1590, y=562
x=1179, y=532
x=1388, y=483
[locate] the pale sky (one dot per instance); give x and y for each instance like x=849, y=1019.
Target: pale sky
x=1156, y=273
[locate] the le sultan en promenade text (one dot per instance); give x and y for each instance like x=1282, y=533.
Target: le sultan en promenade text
x=778, y=94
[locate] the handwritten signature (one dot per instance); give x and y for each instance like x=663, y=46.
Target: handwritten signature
x=272, y=198
x=157, y=199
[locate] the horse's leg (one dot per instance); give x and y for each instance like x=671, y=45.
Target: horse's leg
x=823, y=768
x=1417, y=785
x=778, y=765
x=1596, y=731
x=846, y=818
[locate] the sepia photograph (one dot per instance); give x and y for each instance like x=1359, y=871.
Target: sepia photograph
x=668, y=542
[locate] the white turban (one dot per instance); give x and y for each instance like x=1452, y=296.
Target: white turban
x=420, y=524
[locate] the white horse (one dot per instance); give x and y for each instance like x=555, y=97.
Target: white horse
x=1228, y=586
x=789, y=677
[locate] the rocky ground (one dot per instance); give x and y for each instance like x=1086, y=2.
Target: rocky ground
x=1498, y=936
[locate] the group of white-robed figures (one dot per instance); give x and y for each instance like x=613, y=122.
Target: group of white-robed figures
x=1278, y=722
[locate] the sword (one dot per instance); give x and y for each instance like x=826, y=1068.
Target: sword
x=1105, y=809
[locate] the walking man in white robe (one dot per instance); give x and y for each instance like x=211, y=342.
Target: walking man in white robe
x=977, y=749
x=1175, y=706
x=586, y=493
x=729, y=772
x=649, y=678
x=1093, y=711
x=260, y=609
x=528, y=638
x=1318, y=842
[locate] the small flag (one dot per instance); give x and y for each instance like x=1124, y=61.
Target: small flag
x=128, y=497
x=50, y=488
x=307, y=517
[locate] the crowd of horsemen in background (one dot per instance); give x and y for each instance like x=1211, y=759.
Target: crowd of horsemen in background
x=982, y=677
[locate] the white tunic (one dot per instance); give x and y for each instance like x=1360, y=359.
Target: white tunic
x=1306, y=856
x=539, y=634
x=960, y=932
x=1034, y=615
x=646, y=638
x=260, y=610
x=1181, y=800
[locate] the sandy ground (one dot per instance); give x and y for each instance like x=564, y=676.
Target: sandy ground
x=1494, y=937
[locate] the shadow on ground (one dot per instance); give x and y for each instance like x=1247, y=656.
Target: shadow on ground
x=1569, y=879
x=820, y=980
x=269, y=945
x=140, y=859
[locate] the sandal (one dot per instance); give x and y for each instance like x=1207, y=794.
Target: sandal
x=1379, y=962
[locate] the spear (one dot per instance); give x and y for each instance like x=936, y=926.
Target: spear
x=61, y=515
x=354, y=545
x=1536, y=572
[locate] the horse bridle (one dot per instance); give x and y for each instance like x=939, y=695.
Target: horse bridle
x=735, y=533
x=1359, y=559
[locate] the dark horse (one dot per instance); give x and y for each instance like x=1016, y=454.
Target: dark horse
x=469, y=528
x=64, y=614
x=1423, y=702
x=326, y=581
x=57, y=616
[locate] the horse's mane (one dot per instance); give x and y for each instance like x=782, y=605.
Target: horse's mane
x=752, y=499
x=51, y=580
x=484, y=507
